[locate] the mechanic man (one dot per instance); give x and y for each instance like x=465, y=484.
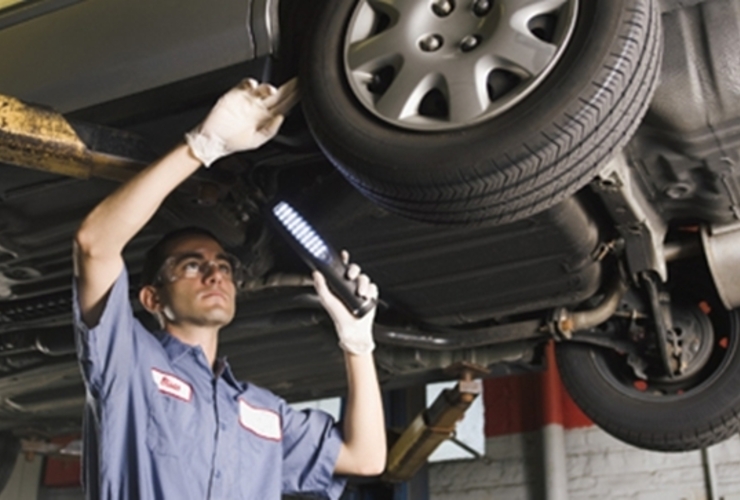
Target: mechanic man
x=165, y=418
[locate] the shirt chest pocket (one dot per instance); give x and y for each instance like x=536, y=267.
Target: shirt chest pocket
x=173, y=422
x=260, y=432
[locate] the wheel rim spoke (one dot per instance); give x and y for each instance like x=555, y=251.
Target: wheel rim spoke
x=519, y=51
x=395, y=9
x=527, y=9
x=405, y=93
x=467, y=91
x=527, y=54
x=371, y=54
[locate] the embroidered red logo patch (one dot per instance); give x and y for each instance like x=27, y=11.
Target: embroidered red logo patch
x=171, y=385
x=264, y=423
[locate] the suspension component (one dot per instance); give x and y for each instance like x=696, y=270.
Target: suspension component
x=668, y=343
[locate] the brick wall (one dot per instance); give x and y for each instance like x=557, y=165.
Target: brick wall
x=511, y=470
x=598, y=466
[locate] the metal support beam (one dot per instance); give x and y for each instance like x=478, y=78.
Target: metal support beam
x=710, y=474
x=642, y=228
x=42, y=139
x=555, y=473
x=34, y=137
x=403, y=405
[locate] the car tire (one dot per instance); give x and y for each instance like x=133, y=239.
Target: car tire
x=10, y=446
x=510, y=165
x=695, y=413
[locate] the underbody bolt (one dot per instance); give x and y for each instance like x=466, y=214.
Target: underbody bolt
x=481, y=7
x=431, y=43
x=443, y=8
x=678, y=190
x=469, y=43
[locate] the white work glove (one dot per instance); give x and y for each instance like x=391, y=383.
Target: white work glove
x=355, y=334
x=244, y=118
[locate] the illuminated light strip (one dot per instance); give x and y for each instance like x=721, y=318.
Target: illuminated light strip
x=301, y=230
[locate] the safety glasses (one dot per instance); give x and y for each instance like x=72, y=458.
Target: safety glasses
x=195, y=266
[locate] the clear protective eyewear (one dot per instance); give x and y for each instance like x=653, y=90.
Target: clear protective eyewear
x=194, y=265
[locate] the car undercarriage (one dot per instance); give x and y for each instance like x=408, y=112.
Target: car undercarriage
x=633, y=274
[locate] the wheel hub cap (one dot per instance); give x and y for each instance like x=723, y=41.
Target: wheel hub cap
x=448, y=64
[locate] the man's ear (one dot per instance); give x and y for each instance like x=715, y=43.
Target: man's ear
x=151, y=300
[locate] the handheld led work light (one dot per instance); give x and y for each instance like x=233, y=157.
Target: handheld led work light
x=319, y=256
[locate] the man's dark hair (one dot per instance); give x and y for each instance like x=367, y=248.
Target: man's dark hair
x=156, y=255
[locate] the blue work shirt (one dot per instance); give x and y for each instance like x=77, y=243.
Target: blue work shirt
x=160, y=424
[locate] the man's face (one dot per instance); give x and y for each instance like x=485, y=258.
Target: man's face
x=199, y=290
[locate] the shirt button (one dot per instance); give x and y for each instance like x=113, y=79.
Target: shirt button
x=218, y=474
x=223, y=426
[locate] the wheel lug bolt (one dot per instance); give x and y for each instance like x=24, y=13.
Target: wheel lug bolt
x=443, y=8
x=481, y=7
x=469, y=43
x=431, y=43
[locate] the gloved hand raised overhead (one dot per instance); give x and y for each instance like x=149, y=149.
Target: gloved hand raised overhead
x=244, y=118
x=355, y=334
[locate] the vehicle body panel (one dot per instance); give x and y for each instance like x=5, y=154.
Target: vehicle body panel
x=98, y=50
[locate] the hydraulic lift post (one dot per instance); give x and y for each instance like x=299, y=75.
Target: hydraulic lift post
x=433, y=425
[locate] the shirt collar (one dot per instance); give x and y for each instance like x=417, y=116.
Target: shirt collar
x=224, y=371
x=176, y=349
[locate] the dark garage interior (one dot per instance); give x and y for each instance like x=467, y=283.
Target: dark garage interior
x=546, y=193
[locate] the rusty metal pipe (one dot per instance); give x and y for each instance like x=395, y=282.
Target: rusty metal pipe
x=568, y=321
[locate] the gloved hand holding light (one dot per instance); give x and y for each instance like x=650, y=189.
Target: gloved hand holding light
x=357, y=294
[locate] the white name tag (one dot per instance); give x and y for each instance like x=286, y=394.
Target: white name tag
x=264, y=423
x=171, y=385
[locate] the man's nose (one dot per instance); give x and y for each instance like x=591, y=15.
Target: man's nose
x=212, y=273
